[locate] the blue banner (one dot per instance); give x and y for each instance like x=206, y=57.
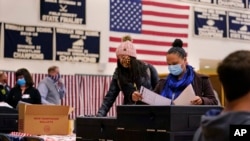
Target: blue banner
x=28, y=42
x=233, y=3
x=63, y=11
x=77, y=45
x=239, y=25
x=210, y=22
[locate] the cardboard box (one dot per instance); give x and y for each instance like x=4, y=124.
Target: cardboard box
x=43, y=119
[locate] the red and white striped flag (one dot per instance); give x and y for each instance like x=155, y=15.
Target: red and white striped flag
x=153, y=26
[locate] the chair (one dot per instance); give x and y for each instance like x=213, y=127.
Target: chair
x=217, y=97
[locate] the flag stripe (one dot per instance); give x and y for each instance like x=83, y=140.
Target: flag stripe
x=164, y=5
x=160, y=14
x=164, y=24
x=147, y=42
x=167, y=34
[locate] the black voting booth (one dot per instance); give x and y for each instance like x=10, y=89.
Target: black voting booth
x=153, y=123
x=8, y=120
x=95, y=128
x=144, y=123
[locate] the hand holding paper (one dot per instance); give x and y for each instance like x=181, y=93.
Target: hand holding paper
x=186, y=96
x=153, y=98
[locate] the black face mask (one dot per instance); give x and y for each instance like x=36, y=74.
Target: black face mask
x=55, y=78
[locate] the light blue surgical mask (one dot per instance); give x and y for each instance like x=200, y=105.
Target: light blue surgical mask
x=175, y=69
x=21, y=82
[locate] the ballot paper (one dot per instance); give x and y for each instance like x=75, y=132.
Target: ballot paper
x=153, y=98
x=186, y=96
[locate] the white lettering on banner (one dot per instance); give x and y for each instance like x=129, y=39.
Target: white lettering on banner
x=30, y=29
x=14, y=27
x=62, y=53
x=52, y=1
x=71, y=20
x=92, y=33
x=22, y=55
x=65, y=31
x=211, y=16
x=75, y=36
x=44, y=29
x=80, y=32
x=77, y=59
x=231, y=3
x=68, y=2
x=74, y=50
x=25, y=46
x=50, y=18
x=235, y=35
x=26, y=33
x=68, y=15
x=77, y=47
x=241, y=20
x=54, y=13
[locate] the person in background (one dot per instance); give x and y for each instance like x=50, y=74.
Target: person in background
x=234, y=75
x=52, y=88
x=181, y=75
x=4, y=87
x=128, y=77
x=23, y=91
x=4, y=90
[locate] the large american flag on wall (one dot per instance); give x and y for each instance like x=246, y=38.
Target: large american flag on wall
x=153, y=26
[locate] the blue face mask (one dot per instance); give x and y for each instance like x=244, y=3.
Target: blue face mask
x=21, y=82
x=175, y=69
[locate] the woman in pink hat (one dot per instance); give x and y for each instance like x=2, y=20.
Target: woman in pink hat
x=128, y=77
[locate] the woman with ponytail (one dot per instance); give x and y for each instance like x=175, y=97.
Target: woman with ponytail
x=181, y=75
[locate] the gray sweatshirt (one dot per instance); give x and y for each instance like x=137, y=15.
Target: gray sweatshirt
x=215, y=126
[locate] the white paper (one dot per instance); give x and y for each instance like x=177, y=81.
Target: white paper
x=186, y=96
x=153, y=98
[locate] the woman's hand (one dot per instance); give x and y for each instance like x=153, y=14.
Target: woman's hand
x=196, y=101
x=136, y=96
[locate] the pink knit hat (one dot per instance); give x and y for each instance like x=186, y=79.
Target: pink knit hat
x=126, y=48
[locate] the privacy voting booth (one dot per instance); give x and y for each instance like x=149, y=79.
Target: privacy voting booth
x=8, y=120
x=144, y=123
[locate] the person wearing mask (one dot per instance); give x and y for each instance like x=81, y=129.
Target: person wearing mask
x=181, y=75
x=23, y=91
x=234, y=76
x=4, y=87
x=52, y=88
x=128, y=77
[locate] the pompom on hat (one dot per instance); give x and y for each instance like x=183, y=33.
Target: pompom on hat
x=126, y=47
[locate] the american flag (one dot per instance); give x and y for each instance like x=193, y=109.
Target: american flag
x=153, y=26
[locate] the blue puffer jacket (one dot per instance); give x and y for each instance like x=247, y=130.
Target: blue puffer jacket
x=149, y=82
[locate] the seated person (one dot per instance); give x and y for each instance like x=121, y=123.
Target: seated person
x=181, y=75
x=234, y=75
x=24, y=90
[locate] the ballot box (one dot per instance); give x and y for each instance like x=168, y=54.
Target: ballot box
x=8, y=120
x=165, y=118
x=95, y=128
x=154, y=123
